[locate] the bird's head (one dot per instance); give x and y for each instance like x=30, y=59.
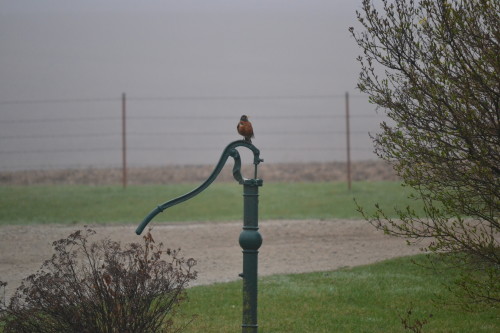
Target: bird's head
x=244, y=117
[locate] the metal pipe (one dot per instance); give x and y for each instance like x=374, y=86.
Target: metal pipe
x=250, y=241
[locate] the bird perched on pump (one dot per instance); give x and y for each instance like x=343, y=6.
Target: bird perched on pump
x=245, y=128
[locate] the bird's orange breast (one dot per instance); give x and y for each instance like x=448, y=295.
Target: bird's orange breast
x=245, y=128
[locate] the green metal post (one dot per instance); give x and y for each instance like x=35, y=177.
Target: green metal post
x=250, y=241
x=250, y=238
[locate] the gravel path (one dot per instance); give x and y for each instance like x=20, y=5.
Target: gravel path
x=289, y=246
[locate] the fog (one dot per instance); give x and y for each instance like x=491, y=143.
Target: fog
x=189, y=69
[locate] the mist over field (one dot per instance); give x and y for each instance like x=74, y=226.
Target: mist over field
x=189, y=69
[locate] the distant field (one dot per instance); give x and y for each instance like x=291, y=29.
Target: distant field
x=220, y=202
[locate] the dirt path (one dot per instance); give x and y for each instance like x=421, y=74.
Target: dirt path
x=288, y=247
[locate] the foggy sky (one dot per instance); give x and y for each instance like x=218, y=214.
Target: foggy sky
x=92, y=49
x=96, y=48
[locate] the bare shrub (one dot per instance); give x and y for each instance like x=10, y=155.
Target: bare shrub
x=100, y=287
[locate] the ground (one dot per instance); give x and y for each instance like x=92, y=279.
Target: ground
x=289, y=246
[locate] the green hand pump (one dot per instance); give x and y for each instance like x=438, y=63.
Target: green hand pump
x=250, y=239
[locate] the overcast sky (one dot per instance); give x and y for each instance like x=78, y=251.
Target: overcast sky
x=98, y=48
x=54, y=50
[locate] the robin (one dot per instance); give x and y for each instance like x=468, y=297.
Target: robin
x=245, y=129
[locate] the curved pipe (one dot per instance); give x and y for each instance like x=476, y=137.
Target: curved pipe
x=230, y=150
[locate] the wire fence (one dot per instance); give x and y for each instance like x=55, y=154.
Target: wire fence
x=155, y=131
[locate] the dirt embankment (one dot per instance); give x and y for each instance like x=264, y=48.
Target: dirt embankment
x=280, y=172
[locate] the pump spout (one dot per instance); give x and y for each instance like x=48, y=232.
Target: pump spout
x=229, y=151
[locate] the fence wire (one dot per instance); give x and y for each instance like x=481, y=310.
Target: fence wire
x=88, y=133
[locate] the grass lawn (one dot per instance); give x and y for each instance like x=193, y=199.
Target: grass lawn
x=370, y=298
x=360, y=299
x=221, y=201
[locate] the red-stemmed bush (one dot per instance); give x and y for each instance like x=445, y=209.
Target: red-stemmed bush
x=100, y=287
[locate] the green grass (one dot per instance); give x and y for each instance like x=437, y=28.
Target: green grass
x=220, y=202
x=361, y=299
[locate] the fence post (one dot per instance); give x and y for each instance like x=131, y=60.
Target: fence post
x=124, y=142
x=348, y=140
